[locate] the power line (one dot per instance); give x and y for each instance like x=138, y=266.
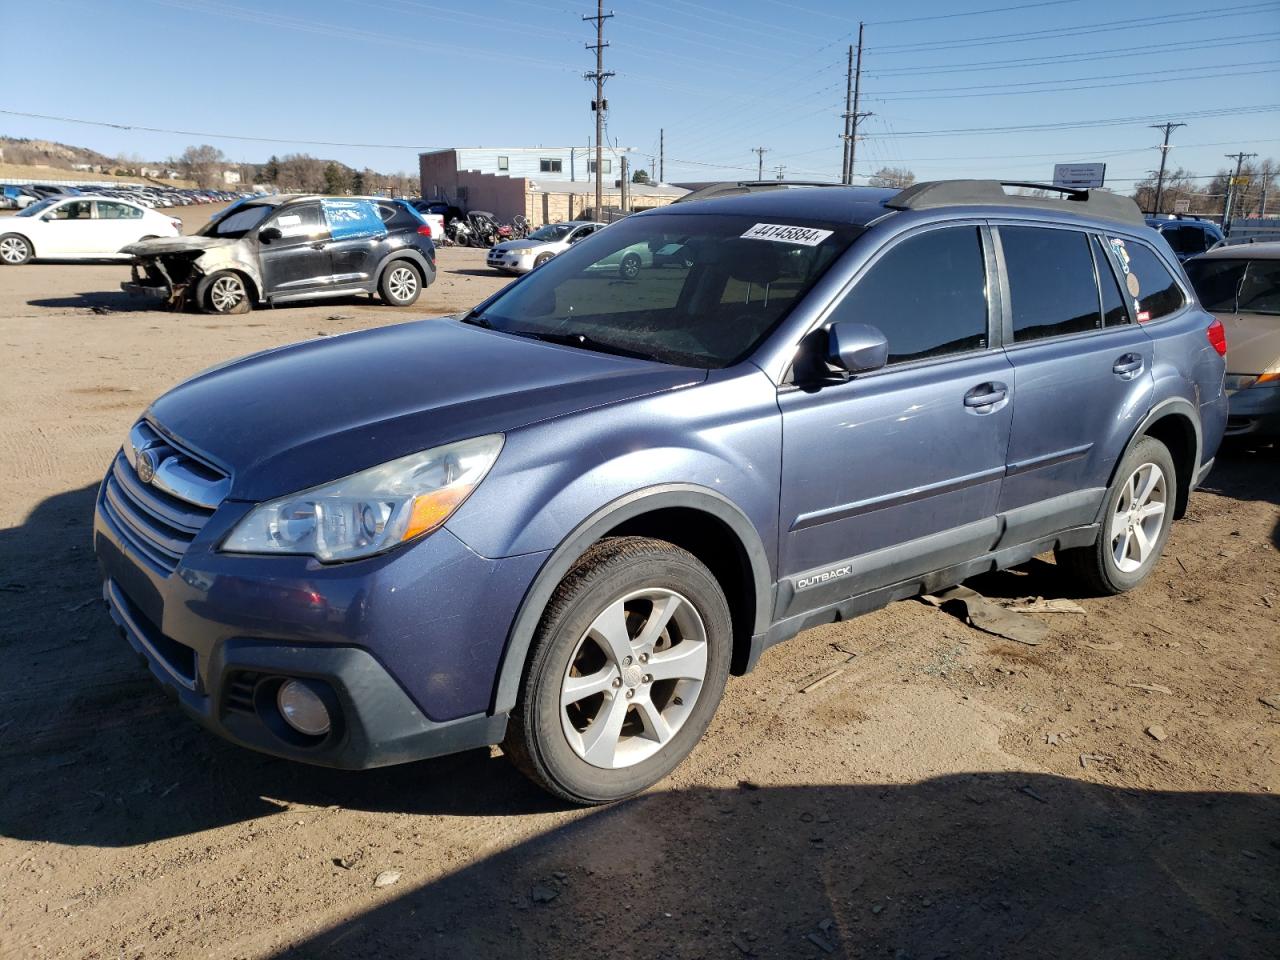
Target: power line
x=1085, y=124
x=971, y=13
x=1059, y=32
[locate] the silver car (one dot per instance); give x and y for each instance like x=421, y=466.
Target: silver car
x=521, y=256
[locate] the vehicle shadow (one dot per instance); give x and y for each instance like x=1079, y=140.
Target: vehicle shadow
x=1247, y=470
x=81, y=716
x=978, y=865
x=469, y=272
x=114, y=301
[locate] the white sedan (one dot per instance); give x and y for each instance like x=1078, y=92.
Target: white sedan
x=521, y=256
x=80, y=228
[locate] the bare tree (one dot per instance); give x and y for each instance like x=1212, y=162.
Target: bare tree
x=899, y=177
x=203, y=164
x=301, y=173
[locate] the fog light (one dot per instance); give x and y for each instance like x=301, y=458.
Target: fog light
x=302, y=708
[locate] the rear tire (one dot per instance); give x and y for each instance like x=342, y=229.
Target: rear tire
x=227, y=293
x=400, y=284
x=624, y=674
x=15, y=250
x=1136, y=518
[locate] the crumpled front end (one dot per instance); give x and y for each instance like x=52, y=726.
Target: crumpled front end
x=172, y=270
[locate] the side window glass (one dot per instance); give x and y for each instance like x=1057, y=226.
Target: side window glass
x=1113, y=308
x=1260, y=292
x=1051, y=282
x=927, y=294
x=303, y=221
x=75, y=210
x=117, y=211
x=1156, y=294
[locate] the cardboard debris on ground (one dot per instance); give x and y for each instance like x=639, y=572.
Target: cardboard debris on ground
x=1156, y=733
x=1041, y=605
x=1272, y=701
x=990, y=617
x=830, y=675
x=1149, y=687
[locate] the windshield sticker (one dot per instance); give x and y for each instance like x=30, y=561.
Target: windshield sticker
x=781, y=233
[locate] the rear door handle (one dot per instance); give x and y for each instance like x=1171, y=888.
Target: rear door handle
x=1128, y=366
x=985, y=394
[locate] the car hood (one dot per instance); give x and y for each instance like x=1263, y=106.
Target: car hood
x=163, y=245
x=1253, y=342
x=290, y=418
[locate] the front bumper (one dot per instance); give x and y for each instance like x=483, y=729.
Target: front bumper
x=509, y=264
x=146, y=291
x=408, y=644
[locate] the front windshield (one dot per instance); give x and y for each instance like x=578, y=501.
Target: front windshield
x=38, y=208
x=551, y=232
x=238, y=221
x=697, y=290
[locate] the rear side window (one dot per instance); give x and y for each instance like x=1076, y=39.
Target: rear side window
x=1051, y=282
x=117, y=211
x=927, y=294
x=1156, y=294
x=1217, y=282
x=1260, y=291
x=1186, y=239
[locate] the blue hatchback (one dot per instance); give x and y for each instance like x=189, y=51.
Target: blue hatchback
x=561, y=521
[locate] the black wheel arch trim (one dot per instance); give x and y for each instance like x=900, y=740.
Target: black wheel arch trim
x=627, y=507
x=1170, y=405
x=250, y=285
x=425, y=269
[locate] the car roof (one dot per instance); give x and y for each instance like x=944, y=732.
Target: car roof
x=859, y=205
x=1266, y=250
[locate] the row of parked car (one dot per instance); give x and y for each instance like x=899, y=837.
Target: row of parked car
x=21, y=196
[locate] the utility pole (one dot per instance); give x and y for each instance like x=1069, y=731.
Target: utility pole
x=779, y=168
x=852, y=115
x=1168, y=128
x=662, y=156
x=760, y=152
x=848, y=112
x=599, y=104
x=624, y=186
x=1239, y=158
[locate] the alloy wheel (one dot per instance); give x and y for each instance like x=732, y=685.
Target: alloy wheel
x=226, y=293
x=1139, y=517
x=403, y=283
x=633, y=678
x=13, y=250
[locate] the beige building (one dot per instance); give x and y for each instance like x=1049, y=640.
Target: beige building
x=509, y=186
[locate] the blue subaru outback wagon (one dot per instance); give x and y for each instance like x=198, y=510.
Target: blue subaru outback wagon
x=560, y=521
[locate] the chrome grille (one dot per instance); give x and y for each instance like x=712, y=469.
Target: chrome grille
x=162, y=517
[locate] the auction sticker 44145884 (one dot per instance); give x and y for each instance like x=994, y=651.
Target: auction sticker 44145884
x=782, y=233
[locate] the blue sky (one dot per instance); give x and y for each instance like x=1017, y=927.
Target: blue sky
x=720, y=77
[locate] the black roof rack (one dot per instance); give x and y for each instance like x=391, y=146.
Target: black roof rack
x=736, y=187
x=930, y=195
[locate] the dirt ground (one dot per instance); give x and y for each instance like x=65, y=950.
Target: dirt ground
x=947, y=794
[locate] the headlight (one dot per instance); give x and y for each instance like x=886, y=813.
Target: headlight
x=372, y=511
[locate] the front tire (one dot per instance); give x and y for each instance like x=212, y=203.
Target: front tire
x=400, y=285
x=541, y=258
x=227, y=293
x=625, y=672
x=15, y=250
x=1136, y=520
x=629, y=268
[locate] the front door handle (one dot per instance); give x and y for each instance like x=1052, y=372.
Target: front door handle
x=985, y=394
x=1127, y=366
x=319, y=244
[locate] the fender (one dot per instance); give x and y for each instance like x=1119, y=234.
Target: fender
x=406, y=253
x=1180, y=405
x=592, y=529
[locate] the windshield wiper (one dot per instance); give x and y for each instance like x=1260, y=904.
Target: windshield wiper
x=585, y=342
x=477, y=319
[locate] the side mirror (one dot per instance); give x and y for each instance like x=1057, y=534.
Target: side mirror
x=857, y=347
x=269, y=234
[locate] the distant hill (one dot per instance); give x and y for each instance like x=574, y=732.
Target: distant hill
x=48, y=153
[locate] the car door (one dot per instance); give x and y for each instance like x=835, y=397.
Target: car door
x=117, y=224
x=1081, y=371
x=66, y=230
x=357, y=237
x=896, y=473
x=295, y=251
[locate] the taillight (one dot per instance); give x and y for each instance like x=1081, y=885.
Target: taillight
x=1217, y=335
x=424, y=230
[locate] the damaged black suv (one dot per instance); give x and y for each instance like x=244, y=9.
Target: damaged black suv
x=282, y=248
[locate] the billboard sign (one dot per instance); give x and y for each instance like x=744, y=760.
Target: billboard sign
x=1079, y=176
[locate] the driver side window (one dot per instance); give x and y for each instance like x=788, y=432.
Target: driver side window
x=927, y=294
x=302, y=222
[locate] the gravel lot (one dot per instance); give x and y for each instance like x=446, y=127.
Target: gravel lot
x=947, y=794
